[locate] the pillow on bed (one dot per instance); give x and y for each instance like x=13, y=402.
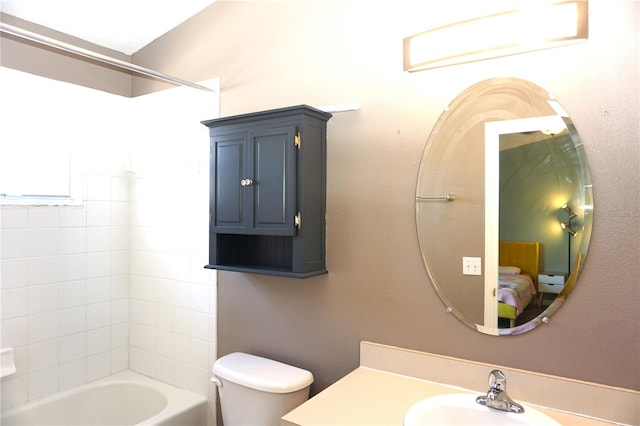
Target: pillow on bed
x=508, y=270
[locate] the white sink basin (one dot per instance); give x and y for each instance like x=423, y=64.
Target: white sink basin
x=462, y=409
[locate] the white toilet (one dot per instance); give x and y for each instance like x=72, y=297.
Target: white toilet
x=256, y=391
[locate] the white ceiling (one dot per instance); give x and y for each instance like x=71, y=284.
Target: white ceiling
x=122, y=25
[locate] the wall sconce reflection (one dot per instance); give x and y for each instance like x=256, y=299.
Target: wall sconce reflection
x=541, y=25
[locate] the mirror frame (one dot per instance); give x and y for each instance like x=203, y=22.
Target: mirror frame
x=491, y=104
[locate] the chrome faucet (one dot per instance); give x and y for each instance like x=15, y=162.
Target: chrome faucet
x=497, y=397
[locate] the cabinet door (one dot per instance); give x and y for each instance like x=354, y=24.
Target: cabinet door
x=230, y=204
x=273, y=157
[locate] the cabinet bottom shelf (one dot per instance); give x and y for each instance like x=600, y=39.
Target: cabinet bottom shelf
x=262, y=254
x=266, y=270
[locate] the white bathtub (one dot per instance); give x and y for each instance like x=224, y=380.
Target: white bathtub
x=125, y=398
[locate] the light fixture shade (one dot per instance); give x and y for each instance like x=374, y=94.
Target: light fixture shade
x=542, y=25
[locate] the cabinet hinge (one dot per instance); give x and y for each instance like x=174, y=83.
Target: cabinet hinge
x=297, y=140
x=298, y=220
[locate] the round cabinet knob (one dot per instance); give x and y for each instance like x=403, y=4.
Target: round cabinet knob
x=246, y=182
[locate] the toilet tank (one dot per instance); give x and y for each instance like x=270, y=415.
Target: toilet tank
x=258, y=391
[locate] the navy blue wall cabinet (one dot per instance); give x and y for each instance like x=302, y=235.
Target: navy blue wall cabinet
x=268, y=192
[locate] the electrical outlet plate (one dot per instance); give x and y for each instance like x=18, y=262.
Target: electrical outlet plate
x=471, y=266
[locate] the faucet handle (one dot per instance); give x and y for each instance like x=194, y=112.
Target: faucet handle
x=497, y=380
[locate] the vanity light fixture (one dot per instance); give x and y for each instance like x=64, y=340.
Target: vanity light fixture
x=540, y=25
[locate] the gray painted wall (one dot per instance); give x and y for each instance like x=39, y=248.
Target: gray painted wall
x=273, y=54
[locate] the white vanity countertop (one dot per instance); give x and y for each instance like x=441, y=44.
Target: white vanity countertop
x=376, y=396
x=372, y=397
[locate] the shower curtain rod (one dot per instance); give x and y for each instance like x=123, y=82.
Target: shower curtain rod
x=28, y=35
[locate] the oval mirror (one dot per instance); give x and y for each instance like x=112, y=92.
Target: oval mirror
x=504, y=206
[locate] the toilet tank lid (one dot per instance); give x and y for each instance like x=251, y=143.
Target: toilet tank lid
x=261, y=373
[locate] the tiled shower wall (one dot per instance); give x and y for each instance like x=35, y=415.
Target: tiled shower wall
x=172, y=297
x=116, y=283
x=65, y=290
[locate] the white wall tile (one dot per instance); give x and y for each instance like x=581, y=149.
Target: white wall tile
x=135, y=358
x=14, y=273
x=98, y=340
x=119, y=262
x=98, y=213
x=143, y=288
x=200, y=298
x=98, y=238
x=42, y=270
x=43, y=327
x=72, y=320
x=98, y=366
x=120, y=188
x=43, y=242
x=72, y=267
x=98, y=289
x=72, y=374
x=181, y=321
x=199, y=380
x=119, y=335
x=71, y=294
x=119, y=359
x=43, y=355
x=165, y=343
x=42, y=298
x=142, y=263
x=119, y=286
x=14, y=332
x=119, y=213
x=14, y=302
x=181, y=348
x=200, y=323
x=165, y=317
x=149, y=363
x=43, y=217
x=14, y=243
x=181, y=295
x=42, y=383
x=72, y=240
x=164, y=368
x=199, y=353
x=98, y=264
x=181, y=374
x=148, y=313
x=71, y=216
x=120, y=238
x=98, y=315
x=21, y=359
x=72, y=347
x=98, y=187
x=149, y=338
x=14, y=391
x=14, y=217
x=119, y=311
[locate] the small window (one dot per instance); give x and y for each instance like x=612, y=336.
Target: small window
x=36, y=137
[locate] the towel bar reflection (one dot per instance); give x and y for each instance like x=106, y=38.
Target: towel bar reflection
x=447, y=197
